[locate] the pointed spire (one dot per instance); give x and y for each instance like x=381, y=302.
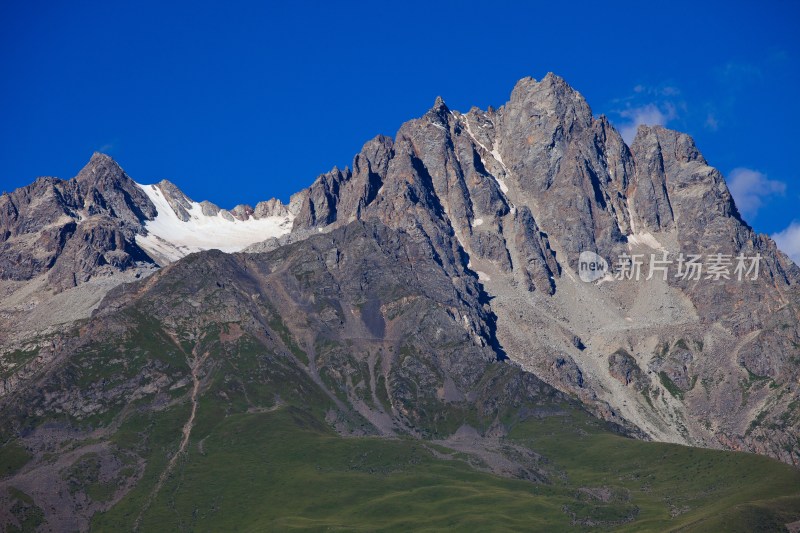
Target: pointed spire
x=101, y=167
x=438, y=114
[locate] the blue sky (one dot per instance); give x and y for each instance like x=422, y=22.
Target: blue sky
x=241, y=101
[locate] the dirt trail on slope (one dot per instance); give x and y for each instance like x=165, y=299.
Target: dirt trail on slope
x=195, y=364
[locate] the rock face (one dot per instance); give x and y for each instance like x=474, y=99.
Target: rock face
x=71, y=229
x=624, y=368
x=502, y=203
x=180, y=203
x=522, y=190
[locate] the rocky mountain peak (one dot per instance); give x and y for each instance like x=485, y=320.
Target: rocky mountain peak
x=270, y=208
x=552, y=96
x=680, y=146
x=73, y=229
x=439, y=114
x=101, y=168
x=374, y=156
x=672, y=176
x=177, y=200
x=105, y=188
x=439, y=106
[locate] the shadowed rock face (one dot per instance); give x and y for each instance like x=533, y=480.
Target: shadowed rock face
x=503, y=202
x=362, y=293
x=73, y=228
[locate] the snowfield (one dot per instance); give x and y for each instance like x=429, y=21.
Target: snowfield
x=169, y=238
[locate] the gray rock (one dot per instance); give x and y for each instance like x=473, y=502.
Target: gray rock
x=270, y=208
x=38, y=223
x=179, y=202
x=624, y=368
x=209, y=209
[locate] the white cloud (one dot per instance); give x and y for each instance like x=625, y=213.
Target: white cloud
x=712, y=123
x=649, y=114
x=659, y=90
x=738, y=73
x=750, y=188
x=788, y=241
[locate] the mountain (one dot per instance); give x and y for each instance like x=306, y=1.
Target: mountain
x=72, y=229
x=65, y=244
x=427, y=303
x=519, y=192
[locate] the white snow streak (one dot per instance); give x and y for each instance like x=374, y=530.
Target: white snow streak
x=496, y=154
x=646, y=239
x=493, y=152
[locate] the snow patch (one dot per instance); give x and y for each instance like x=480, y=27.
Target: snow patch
x=469, y=131
x=502, y=184
x=495, y=154
x=477, y=222
x=646, y=239
x=171, y=238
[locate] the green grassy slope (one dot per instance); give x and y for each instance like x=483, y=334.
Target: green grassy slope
x=285, y=469
x=705, y=490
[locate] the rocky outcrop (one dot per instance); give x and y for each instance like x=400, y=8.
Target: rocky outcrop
x=270, y=208
x=72, y=228
x=96, y=245
x=538, y=264
x=625, y=369
x=179, y=202
x=676, y=364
